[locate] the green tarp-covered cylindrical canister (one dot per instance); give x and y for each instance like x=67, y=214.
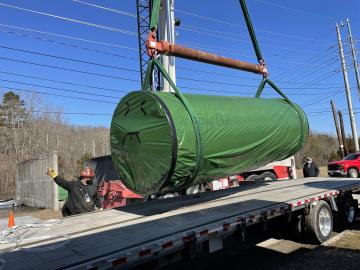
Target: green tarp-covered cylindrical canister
x=155, y=148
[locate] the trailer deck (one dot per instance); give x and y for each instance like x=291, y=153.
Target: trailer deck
x=129, y=235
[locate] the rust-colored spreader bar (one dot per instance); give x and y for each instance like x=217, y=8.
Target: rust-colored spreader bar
x=163, y=47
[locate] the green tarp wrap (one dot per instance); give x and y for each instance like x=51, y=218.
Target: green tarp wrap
x=153, y=140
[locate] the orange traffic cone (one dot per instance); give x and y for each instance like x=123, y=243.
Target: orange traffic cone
x=11, y=222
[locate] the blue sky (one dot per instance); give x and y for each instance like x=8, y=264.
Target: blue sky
x=297, y=39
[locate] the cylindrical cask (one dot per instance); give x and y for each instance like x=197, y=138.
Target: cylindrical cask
x=154, y=145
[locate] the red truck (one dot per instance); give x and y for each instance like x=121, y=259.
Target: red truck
x=349, y=166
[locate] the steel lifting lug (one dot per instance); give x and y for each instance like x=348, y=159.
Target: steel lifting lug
x=151, y=43
x=263, y=68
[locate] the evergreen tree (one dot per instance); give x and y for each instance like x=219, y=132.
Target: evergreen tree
x=12, y=110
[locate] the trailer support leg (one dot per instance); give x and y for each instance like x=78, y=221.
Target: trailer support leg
x=333, y=204
x=264, y=218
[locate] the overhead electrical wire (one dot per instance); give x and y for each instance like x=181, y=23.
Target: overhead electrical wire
x=61, y=89
x=227, y=34
x=233, y=52
x=57, y=95
x=249, y=78
x=296, y=76
x=62, y=82
x=70, y=70
x=68, y=44
x=127, y=79
x=320, y=68
x=317, y=80
x=68, y=59
x=220, y=21
x=244, y=41
x=107, y=9
x=73, y=113
x=323, y=98
x=318, y=58
x=71, y=37
x=277, y=6
x=120, y=67
x=99, y=26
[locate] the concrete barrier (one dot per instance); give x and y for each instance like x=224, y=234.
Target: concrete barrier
x=33, y=186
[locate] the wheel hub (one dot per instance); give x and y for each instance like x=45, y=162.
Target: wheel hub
x=324, y=222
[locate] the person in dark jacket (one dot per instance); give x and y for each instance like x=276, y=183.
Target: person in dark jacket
x=81, y=197
x=310, y=169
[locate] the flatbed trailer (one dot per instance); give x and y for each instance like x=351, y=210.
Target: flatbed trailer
x=132, y=235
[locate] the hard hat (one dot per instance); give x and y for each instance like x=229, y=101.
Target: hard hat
x=87, y=172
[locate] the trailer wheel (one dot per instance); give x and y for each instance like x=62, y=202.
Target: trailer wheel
x=268, y=176
x=252, y=177
x=353, y=173
x=319, y=222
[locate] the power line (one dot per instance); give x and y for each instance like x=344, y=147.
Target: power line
x=57, y=95
x=63, y=82
x=237, y=76
x=68, y=59
x=71, y=70
x=121, y=78
x=312, y=71
x=241, y=26
x=245, y=41
x=310, y=60
x=60, y=89
x=73, y=113
x=323, y=98
x=294, y=10
x=314, y=82
x=67, y=44
x=249, y=93
x=234, y=52
x=222, y=33
x=71, y=37
x=103, y=27
x=107, y=9
x=239, y=84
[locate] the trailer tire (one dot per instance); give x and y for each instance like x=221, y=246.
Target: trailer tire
x=319, y=222
x=353, y=173
x=268, y=176
x=252, y=177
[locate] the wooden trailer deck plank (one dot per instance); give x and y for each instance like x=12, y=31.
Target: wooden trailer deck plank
x=102, y=233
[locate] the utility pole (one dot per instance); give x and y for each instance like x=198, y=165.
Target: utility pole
x=343, y=133
x=353, y=52
x=347, y=89
x=167, y=33
x=341, y=145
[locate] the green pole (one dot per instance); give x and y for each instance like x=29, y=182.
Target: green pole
x=251, y=30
